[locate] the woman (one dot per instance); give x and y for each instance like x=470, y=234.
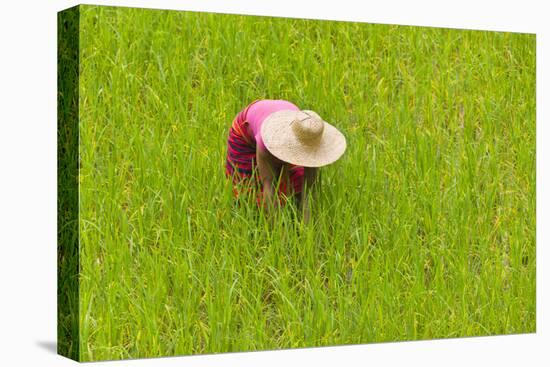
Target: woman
x=277, y=148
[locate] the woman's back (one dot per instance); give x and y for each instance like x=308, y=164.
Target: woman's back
x=259, y=110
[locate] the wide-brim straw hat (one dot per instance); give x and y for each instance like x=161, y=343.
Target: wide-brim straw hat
x=302, y=138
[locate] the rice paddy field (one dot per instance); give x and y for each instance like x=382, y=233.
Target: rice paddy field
x=424, y=229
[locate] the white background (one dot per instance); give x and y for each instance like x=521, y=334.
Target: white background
x=28, y=182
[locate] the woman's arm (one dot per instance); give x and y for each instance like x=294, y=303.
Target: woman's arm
x=267, y=177
x=310, y=178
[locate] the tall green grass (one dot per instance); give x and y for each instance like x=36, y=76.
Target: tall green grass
x=424, y=229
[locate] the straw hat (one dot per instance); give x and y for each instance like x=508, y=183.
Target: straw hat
x=302, y=138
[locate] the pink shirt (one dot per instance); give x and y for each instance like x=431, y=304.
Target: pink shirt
x=259, y=110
